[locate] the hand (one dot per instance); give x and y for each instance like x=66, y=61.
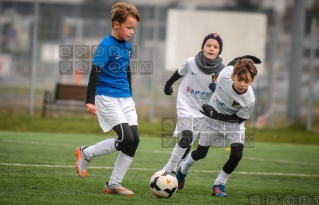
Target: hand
x=168, y=90
x=253, y=58
x=234, y=61
x=91, y=108
x=208, y=110
x=212, y=87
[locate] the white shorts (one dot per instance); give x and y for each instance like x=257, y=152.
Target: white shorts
x=187, y=121
x=113, y=111
x=219, y=133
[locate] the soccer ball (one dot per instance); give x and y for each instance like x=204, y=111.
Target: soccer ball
x=163, y=184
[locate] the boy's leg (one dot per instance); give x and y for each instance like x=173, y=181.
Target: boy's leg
x=128, y=144
x=121, y=166
x=84, y=154
x=104, y=147
x=195, y=135
x=192, y=158
x=109, y=115
x=179, y=151
x=236, y=151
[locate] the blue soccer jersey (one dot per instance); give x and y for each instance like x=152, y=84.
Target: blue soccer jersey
x=113, y=57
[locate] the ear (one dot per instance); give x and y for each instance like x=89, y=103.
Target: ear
x=116, y=25
x=232, y=77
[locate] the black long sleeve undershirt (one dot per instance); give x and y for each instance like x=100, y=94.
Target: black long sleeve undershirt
x=174, y=78
x=94, y=77
x=229, y=118
x=129, y=79
x=210, y=112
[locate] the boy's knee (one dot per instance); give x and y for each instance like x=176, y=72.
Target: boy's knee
x=199, y=153
x=236, y=152
x=236, y=156
x=136, y=142
x=128, y=141
x=186, y=139
x=129, y=147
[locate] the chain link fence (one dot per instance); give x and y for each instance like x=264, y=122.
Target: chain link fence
x=84, y=24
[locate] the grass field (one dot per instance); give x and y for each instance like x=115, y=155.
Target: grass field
x=88, y=124
x=38, y=168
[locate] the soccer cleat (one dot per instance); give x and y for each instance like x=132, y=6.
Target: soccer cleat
x=180, y=178
x=82, y=162
x=117, y=189
x=219, y=190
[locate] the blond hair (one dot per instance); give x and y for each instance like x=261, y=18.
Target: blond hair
x=121, y=10
x=243, y=66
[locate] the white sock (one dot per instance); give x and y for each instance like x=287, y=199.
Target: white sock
x=176, y=156
x=221, y=178
x=122, y=164
x=101, y=148
x=188, y=163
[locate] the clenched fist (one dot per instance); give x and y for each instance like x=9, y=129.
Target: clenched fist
x=91, y=108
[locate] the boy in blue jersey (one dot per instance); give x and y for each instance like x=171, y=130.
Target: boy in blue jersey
x=109, y=97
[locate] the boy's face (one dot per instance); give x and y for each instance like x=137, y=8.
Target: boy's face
x=125, y=30
x=211, y=49
x=241, y=83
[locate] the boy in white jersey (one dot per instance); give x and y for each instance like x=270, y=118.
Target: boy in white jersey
x=195, y=90
x=109, y=97
x=230, y=106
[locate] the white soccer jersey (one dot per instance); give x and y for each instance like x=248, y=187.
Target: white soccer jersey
x=193, y=91
x=227, y=101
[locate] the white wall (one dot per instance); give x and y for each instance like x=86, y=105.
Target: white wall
x=242, y=34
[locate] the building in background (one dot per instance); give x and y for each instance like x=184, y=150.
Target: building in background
x=86, y=22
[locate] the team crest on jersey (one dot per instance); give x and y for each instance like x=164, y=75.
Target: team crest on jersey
x=235, y=103
x=214, y=76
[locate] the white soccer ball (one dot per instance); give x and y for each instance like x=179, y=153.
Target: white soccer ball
x=163, y=184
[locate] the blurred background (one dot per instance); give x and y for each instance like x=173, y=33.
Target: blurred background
x=32, y=32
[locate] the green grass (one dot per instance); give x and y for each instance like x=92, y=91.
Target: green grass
x=84, y=123
x=38, y=168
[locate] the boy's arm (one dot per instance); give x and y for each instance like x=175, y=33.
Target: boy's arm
x=210, y=112
x=99, y=61
x=94, y=77
x=179, y=73
x=128, y=72
x=168, y=90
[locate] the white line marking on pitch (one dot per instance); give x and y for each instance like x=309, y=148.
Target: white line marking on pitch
x=148, y=169
x=163, y=152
